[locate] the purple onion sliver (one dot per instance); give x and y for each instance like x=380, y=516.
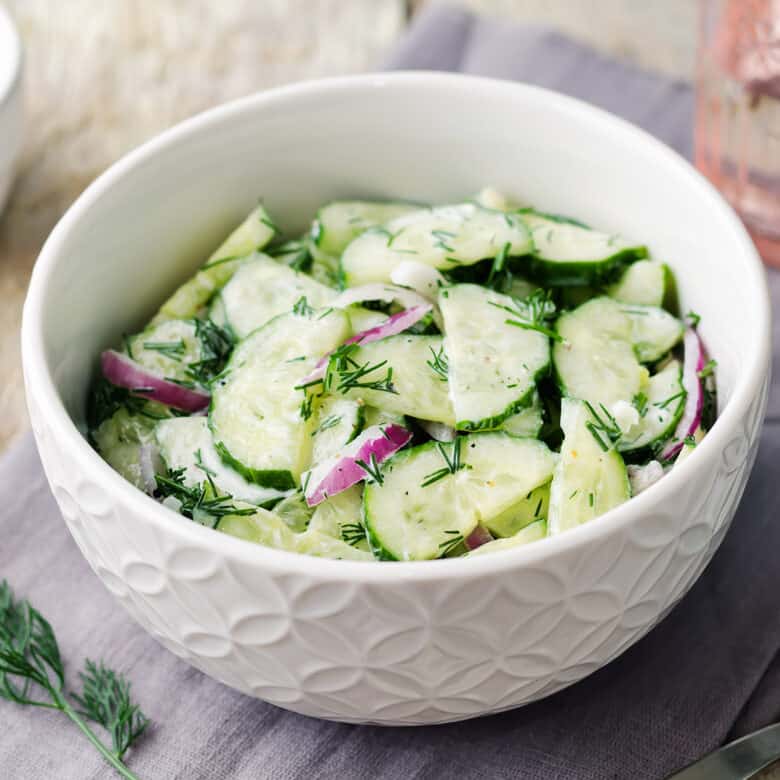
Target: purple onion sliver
x=346, y=472
x=392, y=326
x=479, y=536
x=693, y=363
x=121, y=370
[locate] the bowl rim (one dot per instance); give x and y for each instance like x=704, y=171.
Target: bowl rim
x=11, y=77
x=40, y=385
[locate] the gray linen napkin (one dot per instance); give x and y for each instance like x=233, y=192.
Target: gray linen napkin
x=706, y=672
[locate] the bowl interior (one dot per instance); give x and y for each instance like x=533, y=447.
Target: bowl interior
x=148, y=223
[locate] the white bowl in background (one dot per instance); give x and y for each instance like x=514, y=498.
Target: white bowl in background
x=10, y=102
x=391, y=643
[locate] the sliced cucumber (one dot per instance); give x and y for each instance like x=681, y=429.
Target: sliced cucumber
x=595, y=359
x=119, y=438
x=263, y=527
x=528, y=422
x=643, y=282
x=568, y=254
x=493, y=365
x=531, y=533
x=295, y=512
x=491, y=198
x=263, y=288
x=259, y=424
x=186, y=443
x=442, y=237
x=531, y=508
x=426, y=506
x=340, y=222
x=375, y=416
x=660, y=412
x=362, y=318
x=417, y=390
x=589, y=480
x=254, y=233
x=338, y=421
x=653, y=331
x=168, y=348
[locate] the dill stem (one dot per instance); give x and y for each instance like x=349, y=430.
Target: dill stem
x=62, y=704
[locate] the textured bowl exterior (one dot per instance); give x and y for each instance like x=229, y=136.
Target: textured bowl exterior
x=395, y=643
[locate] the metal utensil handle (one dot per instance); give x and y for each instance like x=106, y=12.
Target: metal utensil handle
x=738, y=760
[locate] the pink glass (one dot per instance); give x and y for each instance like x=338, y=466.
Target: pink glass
x=737, y=132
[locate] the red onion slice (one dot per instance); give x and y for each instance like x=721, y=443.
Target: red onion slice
x=343, y=471
x=121, y=370
x=392, y=326
x=479, y=536
x=693, y=363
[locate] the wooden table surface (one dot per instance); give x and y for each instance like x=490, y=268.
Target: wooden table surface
x=103, y=77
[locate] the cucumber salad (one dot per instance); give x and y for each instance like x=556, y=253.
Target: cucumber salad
x=408, y=382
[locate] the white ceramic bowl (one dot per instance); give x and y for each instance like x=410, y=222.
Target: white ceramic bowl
x=399, y=643
x=10, y=102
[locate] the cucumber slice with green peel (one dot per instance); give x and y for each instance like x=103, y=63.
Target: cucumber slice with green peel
x=530, y=509
x=340, y=222
x=414, y=387
x=528, y=422
x=263, y=527
x=590, y=477
x=566, y=253
x=362, y=318
x=324, y=268
x=186, y=443
x=263, y=288
x=217, y=313
x=595, y=360
x=341, y=517
x=433, y=496
x=493, y=365
x=660, y=409
x=252, y=235
x=643, y=282
x=653, y=331
x=444, y=237
x=167, y=349
x=337, y=422
x=118, y=439
x=531, y=533
x=260, y=422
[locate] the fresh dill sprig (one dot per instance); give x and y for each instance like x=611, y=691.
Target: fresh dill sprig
x=454, y=539
x=200, y=465
x=372, y=469
x=171, y=349
x=663, y=404
x=348, y=374
x=532, y=312
x=307, y=406
x=439, y=363
x=32, y=673
x=353, y=533
x=202, y=499
x=215, y=346
x=606, y=432
x=452, y=463
x=295, y=253
x=640, y=403
x=690, y=440
x=301, y=307
x=693, y=318
x=709, y=369
x=107, y=399
x=496, y=277
x=331, y=421
x=441, y=237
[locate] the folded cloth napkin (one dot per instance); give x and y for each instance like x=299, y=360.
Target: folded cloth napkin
x=704, y=673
